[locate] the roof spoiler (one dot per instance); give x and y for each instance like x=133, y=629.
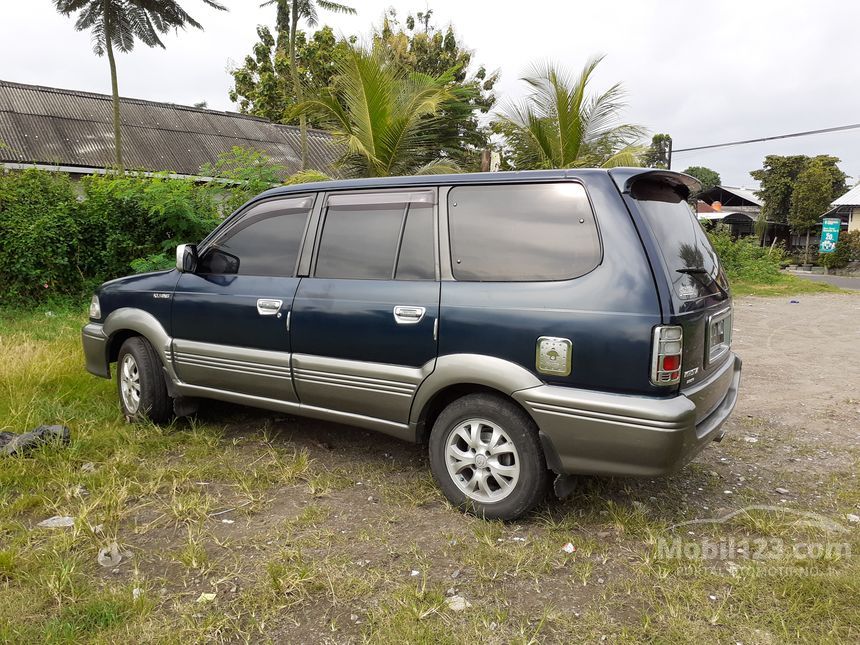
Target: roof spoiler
x=624, y=178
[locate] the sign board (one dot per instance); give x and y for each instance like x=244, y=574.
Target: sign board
x=829, y=234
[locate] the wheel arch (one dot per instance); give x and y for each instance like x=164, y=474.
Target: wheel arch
x=128, y=322
x=457, y=375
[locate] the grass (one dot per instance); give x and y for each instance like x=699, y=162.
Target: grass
x=782, y=285
x=233, y=530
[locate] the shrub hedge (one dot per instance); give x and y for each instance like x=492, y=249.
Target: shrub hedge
x=847, y=249
x=60, y=238
x=743, y=258
x=39, y=234
x=57, y=238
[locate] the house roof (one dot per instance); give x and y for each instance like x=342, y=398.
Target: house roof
x=851, y=198
x=731, y=196
x=45, y=125
x=744, y=193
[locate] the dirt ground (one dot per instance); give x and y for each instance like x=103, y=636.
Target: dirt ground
x=260, y=527
x=801, y=365
x=381, y=527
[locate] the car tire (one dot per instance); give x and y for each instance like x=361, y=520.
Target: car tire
x=140, y=383
x=486, y=456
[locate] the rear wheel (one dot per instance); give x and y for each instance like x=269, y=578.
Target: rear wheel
x=486, y=457
x=140, y=382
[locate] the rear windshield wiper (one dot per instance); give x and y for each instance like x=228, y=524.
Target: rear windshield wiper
x=698, y=272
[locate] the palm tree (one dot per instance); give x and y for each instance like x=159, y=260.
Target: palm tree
x=382, y=115
x=118, y=23
x=560, y=126
x=296, y=10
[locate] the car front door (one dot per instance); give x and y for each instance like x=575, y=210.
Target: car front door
x=364, y=321
x=231, y=316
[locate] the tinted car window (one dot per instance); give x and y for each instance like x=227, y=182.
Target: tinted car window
x=367, y=240
x=682, y=241
x=264, y=242
x=417, y=259
x=359, y=241
x=522, y=232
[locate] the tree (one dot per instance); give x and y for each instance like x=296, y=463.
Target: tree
x=777, y=179
x=262, y=87
x=418, y=46
x=709, y=178
x=381, y=114
x=559, y=125
x=811, y=198
x=776, y=183
x=657, y=155
x=306, y=9
x=119, y=23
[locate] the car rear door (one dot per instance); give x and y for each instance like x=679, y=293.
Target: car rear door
x=231, y=316
x=364, y=321
x=697, y=291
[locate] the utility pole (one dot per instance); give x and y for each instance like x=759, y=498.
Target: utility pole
x=669, y=156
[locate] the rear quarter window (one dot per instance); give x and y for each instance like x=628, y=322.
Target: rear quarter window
x=521, y=233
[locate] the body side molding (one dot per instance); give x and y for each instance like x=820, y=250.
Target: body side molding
x=397, y=430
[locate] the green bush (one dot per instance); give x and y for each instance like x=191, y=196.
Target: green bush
x=38, y=235
x=245, y=173
x=124, y=218
x=743, y=259
x=54, y=242
x=847, y=248
x=306, y=177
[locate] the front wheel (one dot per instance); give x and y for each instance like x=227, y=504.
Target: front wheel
x=140, y=382
x=486, y=457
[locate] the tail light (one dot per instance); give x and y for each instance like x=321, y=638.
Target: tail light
x=666, y=355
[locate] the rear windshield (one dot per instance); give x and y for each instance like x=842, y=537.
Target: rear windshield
x=682, y=241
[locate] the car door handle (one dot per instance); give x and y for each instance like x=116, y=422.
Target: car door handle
x=268, y=306
x=406, y=315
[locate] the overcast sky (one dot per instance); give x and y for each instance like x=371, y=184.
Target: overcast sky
x=705, y=72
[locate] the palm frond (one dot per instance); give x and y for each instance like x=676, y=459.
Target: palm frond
x=560, y=125
x=335, y=7
x=439, y=167
x=384, y=118
x=628, y=156
x=123, y=22
x=307, y=10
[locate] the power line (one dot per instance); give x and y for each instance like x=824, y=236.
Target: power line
x=781, y=136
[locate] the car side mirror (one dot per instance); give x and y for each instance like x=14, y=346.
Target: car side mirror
x=186, y=258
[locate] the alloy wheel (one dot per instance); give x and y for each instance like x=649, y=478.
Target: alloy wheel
x=482, y=460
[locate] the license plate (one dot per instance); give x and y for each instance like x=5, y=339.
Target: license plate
x=719, y=334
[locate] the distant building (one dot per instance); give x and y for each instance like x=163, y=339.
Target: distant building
x=847, y=208
x=70, y=131
x=739, y=208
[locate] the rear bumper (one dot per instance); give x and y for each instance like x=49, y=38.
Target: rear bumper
x=610, y=434
x=95, y=350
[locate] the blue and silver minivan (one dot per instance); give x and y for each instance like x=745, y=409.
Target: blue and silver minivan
x=522, y=325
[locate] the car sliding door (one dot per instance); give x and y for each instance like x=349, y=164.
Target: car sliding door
x=230, y=317
x=364, y=321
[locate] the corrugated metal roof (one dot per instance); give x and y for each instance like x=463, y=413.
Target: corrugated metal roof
x=63, y=127
x=743, y=193
x=851, y=198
